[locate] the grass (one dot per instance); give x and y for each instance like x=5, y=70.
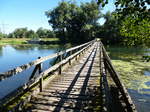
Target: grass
x=14, y=41
x=50, y=39
x=5, y=41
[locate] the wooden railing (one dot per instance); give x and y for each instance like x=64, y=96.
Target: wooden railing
x=33, y=81
x=38, y=61
x=107, y=67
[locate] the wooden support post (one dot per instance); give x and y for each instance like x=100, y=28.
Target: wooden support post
x=76, y=57
x=41, y=79
x=41, y=84
x=60, y=68
x=37, y=67
x=70, y=59
x=79, y=54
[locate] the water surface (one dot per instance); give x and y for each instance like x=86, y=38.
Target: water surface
x=12, y=56
x=134, y=72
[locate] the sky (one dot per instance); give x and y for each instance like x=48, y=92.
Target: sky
x=31, y=13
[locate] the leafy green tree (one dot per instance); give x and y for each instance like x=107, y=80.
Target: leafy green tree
x=1, y=35
x=45, y=33
x=20, y=33
x=31, y=34
x=134, y=17
x=129, y=7
x=41, y=33
x=11, y=35
x=74, y=23
x=109, y=31
x=135, y=34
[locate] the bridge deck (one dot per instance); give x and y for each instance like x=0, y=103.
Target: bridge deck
x=74, y=90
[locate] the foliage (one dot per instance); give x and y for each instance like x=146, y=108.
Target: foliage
x=31, y=34
x=20, y=33
x=72, y=22
x=135, y=34
x=110, y=30
x=134, y=17
x=136, y=7
x=25, y=33
x=129, y=7
x=45, y=33
x=1, y=35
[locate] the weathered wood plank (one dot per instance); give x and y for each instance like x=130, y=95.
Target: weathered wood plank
x=43, y=74
x=78, y=90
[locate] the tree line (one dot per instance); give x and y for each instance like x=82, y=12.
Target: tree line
x=25, y=33
x=128, y=25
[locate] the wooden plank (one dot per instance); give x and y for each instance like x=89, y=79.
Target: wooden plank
x=53, y=102
x=39, y=79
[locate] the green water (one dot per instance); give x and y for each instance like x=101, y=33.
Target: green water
x=134, y=72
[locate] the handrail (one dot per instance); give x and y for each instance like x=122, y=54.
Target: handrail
x=42, y=75
x=21, y=68
x=116, y=79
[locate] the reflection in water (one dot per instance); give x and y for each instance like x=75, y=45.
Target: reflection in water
x=148, y=84
x=17, y=55
x=1, y=50
x=147, y=73
x=142, y=101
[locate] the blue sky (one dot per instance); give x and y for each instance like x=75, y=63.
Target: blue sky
x=30, y=13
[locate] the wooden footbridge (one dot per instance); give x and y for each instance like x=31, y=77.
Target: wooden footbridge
x=83, y=80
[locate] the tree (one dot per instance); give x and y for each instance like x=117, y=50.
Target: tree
x=20, y=33
x=31, y=34
x=74, y=23
x=134, y=17
x=45, y=33
x=41, y=33
x=135, y=34
x=11, y=35
x=109, y=31
x=2, y=35
x=129, y=7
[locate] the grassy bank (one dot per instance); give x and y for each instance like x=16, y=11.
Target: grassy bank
x=5, y=41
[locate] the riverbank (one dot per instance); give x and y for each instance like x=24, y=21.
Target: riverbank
x=18, y=41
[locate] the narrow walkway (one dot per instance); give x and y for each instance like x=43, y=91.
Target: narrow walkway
x=74, y=90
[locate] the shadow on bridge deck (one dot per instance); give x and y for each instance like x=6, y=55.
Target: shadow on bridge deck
x=75, y=90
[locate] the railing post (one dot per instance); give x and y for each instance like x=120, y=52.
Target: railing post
x=76, y=55
x=41, y=84
x=70, y=59
x=41, y=79
x=60, y=68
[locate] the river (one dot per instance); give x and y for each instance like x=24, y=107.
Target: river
x=133, y=70
x=12, y=56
